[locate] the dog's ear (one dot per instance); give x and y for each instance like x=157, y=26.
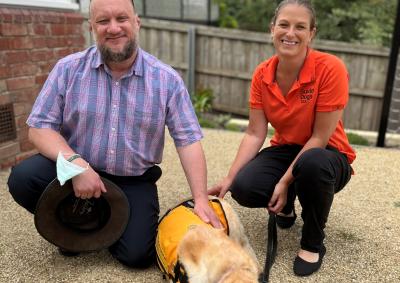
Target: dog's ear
x=236, y=229
x=191, y=247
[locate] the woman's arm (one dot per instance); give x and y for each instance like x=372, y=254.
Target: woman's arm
x=252, y=141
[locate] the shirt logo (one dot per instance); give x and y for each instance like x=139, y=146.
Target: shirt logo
x=306, y=95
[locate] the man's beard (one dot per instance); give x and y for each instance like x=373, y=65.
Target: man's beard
x=110, y=56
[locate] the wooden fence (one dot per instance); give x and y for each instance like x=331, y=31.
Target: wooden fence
x=225, y=60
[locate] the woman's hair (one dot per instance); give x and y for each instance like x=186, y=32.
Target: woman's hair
x=305, y=3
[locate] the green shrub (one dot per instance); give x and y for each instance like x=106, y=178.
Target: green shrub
x=357, y=139
x=232, y=127
x=202, y=101
x=206, y=123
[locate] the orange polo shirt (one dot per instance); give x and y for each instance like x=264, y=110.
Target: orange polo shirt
x=322, y=86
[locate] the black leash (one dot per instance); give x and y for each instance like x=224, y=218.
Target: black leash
x=271, y=248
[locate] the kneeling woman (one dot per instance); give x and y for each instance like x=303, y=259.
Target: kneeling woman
x=301, y=92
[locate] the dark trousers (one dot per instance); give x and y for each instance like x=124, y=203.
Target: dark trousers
x=318, y=174
x=135, y=248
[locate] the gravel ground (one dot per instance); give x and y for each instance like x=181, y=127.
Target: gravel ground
x=363, y=231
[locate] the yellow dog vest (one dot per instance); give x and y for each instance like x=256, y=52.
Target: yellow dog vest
x=171, y=229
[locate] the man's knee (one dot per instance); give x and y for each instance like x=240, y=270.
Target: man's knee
x=17, y=185
x=136, y=257
x=28, y=180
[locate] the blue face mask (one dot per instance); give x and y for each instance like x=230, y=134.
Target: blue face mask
x=67, y=170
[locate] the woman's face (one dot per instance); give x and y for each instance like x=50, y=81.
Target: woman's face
x=291, y=31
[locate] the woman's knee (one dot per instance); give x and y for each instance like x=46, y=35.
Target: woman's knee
x=239, y=189
x=312, y=164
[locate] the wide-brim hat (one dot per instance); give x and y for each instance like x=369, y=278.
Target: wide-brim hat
x=80, y=225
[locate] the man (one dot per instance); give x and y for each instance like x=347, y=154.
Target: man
x=110, y=104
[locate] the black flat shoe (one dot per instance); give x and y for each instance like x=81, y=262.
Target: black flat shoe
x=67, y=253
x=305, y=268
x=285, y=222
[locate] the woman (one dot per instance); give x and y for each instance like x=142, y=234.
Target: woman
x=302, y=93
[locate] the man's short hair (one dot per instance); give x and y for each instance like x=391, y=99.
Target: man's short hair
x=133, y=3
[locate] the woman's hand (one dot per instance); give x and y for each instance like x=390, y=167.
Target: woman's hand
x=279, y=197
x=221, y=188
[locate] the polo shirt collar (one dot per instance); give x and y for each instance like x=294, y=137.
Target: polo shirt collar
x=306, y=75
x=137, y=67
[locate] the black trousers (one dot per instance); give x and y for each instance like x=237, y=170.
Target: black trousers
x=135, y=248
x=318, y=174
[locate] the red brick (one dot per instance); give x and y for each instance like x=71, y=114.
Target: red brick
x=27, y=16
x=38, y=29
x=4, y=43
x=5, y=98
x=19, y=109
x=22, y=133
x=5, y=72
x=6, y=15
x=46, y=67
x=17, y=15
x=20, y=121
x=53, y=42
x=21, y=43
x=16, y=57
x=61, y=52
x=7, y=162
x=3, y=86
x=74, y=29
x=24, y=69
x=41, y=79
x=39, y=42
x=74, y=18
x=53, y=17
x=77, y=40
x=26, y=145
x=20, y=83
x=58, y=29
x=9, y=149
x=42, y=55
x=10, y=29
x=24, y=95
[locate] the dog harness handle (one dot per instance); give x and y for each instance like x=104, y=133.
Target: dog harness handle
x=271, y=247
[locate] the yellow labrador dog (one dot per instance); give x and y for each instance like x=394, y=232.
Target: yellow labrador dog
x=209, y=255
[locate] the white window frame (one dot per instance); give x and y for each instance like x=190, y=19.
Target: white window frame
x=53, y=4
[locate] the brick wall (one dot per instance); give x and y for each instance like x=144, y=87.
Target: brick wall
x=31, y=42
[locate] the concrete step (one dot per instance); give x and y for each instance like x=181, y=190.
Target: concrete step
x=392, y=140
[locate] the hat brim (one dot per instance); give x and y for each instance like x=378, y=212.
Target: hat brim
x=53, y=230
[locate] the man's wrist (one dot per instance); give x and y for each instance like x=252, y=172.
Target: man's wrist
x=73, y=157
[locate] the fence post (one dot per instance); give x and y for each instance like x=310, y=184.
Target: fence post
x=191, y=82
x=394, y=52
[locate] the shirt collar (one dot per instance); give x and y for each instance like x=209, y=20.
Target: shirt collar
x=307, y=72
x=137, y=67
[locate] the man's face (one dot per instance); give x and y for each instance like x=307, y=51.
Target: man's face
x=115, y=27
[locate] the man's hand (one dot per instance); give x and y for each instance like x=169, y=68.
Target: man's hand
x=88, y=184
x=279, y=198
x=207, y=214
x=221, y=188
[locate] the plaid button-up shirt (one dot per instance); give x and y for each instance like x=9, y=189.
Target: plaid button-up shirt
x=118, y=126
